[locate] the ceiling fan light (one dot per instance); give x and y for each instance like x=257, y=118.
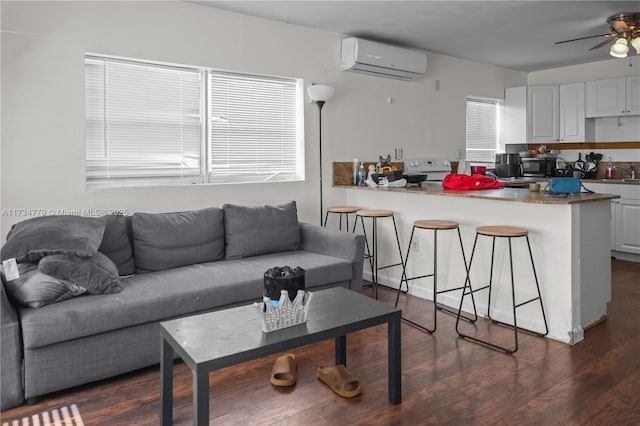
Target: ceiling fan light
x=636, y=44
x=619, y=49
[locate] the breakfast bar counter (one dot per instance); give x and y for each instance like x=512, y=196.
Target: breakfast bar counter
x=569, y=241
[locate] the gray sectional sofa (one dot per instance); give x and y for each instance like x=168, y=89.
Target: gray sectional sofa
x=169, y=265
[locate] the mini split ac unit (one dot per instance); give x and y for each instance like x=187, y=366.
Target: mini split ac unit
x=383, y=60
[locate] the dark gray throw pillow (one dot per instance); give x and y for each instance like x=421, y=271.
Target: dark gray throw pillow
x=250, y=231
x=117, y=246
x=32, y=239
x=35, y=289
x=97, y=274
x=168, y=240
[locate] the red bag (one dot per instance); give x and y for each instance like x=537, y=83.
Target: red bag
x=459, y=181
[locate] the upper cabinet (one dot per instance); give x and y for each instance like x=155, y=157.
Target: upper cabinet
x=544, y=114
x=613, y=98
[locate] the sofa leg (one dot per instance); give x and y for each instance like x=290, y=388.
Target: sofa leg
x=32, y=401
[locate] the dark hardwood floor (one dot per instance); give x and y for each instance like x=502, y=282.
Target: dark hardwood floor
x=446, y=380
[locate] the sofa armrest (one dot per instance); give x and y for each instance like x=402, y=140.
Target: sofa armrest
x=336, y=243
x=11, y=392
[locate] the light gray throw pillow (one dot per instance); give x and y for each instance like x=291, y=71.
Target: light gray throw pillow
x=251, y=231
x=168, y=240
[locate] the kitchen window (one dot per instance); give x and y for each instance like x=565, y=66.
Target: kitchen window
x=482, y=129
x=155, y=124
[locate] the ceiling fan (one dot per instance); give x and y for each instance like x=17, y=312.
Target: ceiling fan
x=625, y=30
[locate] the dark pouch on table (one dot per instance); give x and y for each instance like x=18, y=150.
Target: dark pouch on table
x=283, y=278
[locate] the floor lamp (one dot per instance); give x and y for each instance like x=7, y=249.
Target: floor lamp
x=319, y=94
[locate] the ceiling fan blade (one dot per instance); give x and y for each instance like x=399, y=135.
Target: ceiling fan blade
x=607, y=41
x=584, y=38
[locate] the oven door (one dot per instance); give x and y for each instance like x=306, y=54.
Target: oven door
x=533, y=167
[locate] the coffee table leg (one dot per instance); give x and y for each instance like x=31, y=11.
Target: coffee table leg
x=341, y=350
x=166, y=383
x=201, y=398
x=395, y=362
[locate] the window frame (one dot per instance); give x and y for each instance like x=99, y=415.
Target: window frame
x=204, y=176
x=497, y=103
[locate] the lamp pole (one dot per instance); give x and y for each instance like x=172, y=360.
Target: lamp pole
x=320, y=94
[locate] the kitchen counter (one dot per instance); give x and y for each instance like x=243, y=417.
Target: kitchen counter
x=521, y=195
x=569, y=241
x=616, y=181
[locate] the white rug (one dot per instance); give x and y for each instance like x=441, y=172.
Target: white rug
x=63, y=416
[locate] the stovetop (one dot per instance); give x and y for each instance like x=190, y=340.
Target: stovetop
x=433, y=169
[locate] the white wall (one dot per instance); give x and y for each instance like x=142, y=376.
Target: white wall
x=43, y=44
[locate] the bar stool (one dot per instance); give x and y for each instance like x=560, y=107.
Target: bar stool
x=342, y=211
x=435, y=226
x=373, y=254
x=507, y=232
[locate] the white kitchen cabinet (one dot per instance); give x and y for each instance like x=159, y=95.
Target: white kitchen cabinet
x=543, y=114
x=543, y=103
x=572, y=113
x=626, y=228
x=625, y=216
x=613, y=97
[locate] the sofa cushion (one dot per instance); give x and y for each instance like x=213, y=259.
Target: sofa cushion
x=97, y=274
x=32, y=239
x=116, y=244
x=175, y=292
x=250, y=231
x=35, y=289
x=168, y=240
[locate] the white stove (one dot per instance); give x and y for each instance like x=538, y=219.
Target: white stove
x=418, y=170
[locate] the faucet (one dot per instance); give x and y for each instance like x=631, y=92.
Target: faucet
x=629, y=171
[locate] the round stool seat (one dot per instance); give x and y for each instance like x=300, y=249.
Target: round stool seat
x=502, y=231
x=374, y=213
x=435, y=224
x=343, y=209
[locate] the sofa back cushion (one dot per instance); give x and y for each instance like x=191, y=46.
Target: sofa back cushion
x=32, y=239
x=251, y=231
x=168, y=240
x=117, y=246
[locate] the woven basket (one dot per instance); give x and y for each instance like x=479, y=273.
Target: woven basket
x=286, y=314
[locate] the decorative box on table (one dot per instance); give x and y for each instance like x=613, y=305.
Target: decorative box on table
x=287, y=286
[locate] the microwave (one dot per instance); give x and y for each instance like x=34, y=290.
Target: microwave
x=537, y=167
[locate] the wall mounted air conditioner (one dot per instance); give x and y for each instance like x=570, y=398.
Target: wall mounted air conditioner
x=383, y=60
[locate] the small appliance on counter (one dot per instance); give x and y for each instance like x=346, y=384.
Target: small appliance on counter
x=418, y=170
x=508, y=165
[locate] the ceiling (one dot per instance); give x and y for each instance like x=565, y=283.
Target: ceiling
x=513, y=34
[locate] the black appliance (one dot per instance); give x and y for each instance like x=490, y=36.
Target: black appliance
x=538, y=167
x=418, y=170
x=508, y=165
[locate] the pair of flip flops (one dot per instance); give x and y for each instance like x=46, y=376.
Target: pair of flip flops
x=337, y=377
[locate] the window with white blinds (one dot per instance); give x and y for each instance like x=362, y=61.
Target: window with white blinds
x=482, y=129
x=254, y=128
x=145, y=124
x=142, y=121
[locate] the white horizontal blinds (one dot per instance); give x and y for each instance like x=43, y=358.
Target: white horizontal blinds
x=253, y=128
x=482, y=129
x=142, y=120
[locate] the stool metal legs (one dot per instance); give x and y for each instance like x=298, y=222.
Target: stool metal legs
x=436, y=307
x=373, y=254
x=326, y=216
x=514, y=326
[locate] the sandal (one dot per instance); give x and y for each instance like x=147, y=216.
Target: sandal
x=283, y=372
x=339, y=380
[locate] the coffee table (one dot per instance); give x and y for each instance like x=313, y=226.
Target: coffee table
x=215, y=340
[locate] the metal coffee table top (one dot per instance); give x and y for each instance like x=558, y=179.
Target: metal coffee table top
x=223, y=338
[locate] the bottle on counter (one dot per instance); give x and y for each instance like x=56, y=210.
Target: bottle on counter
x=610, y=172
x=361, y=176
x=579, y=164
x=355, y=171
